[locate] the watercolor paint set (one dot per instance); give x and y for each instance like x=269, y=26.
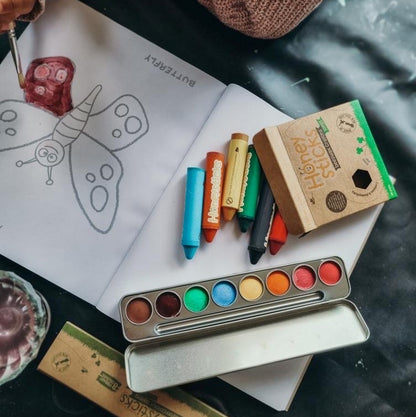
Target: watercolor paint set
x=208, y=328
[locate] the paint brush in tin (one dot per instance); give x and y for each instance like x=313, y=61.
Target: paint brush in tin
x=15, y=55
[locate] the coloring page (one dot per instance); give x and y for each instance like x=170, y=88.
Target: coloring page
x=91, y=142
x=95, y=181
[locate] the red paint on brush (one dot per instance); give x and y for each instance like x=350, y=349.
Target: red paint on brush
x=48, y=84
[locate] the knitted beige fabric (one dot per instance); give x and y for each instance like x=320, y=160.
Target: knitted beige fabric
x=265, y=19
x=37, y=10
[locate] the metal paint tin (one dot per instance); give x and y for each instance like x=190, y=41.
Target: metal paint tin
x=247, y=320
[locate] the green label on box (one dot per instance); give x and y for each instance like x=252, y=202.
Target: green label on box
x=108, y=381
x=369, y=140
x=93, y=343
x=322, y=125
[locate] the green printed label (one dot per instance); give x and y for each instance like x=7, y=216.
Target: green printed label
x=94, y=344
x=369, y=139
x=322, y=125
x=108, y=381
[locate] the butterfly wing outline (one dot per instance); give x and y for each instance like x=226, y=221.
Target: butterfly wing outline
x=120, y=124
x=95, y=174
x=95, y=170
x=22, y=124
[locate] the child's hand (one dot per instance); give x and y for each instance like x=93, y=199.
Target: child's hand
x=11, y=9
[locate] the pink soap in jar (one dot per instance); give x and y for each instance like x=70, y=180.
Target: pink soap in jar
x=24, y=322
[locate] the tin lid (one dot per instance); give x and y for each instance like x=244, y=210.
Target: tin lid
x=308, y=330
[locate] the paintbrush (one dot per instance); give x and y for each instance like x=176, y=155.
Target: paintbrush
x=15, y=55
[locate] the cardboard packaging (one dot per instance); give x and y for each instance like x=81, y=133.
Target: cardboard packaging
x=97, y=372
x=323, y=167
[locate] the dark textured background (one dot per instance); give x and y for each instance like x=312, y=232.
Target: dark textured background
x=346, y=49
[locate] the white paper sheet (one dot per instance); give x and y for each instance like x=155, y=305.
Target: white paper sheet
x=156, y=260
x=51, y=230
x=149, y=107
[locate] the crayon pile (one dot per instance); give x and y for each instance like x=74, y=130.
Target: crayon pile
x=236, y=188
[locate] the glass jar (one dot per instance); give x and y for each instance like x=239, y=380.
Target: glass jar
x=24, y=322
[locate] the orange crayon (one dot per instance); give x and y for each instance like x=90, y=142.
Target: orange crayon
x=234, y=173
x=211, y=213
x=278, y=234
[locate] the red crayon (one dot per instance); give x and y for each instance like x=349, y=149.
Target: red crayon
x=214, y=178
x=278, y=234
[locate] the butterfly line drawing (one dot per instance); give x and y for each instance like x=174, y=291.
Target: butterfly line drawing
x=90, y=139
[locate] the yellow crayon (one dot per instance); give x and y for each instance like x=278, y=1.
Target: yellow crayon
x=234, y=173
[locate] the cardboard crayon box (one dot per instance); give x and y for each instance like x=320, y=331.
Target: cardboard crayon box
x=323, y=167
x=97, y=371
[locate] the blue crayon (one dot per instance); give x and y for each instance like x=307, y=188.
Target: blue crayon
x=192, y=217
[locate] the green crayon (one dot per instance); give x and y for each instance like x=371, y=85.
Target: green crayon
x=250, y=190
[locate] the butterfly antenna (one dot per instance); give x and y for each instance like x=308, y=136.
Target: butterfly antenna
x=49, y=181
x=21, y=163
